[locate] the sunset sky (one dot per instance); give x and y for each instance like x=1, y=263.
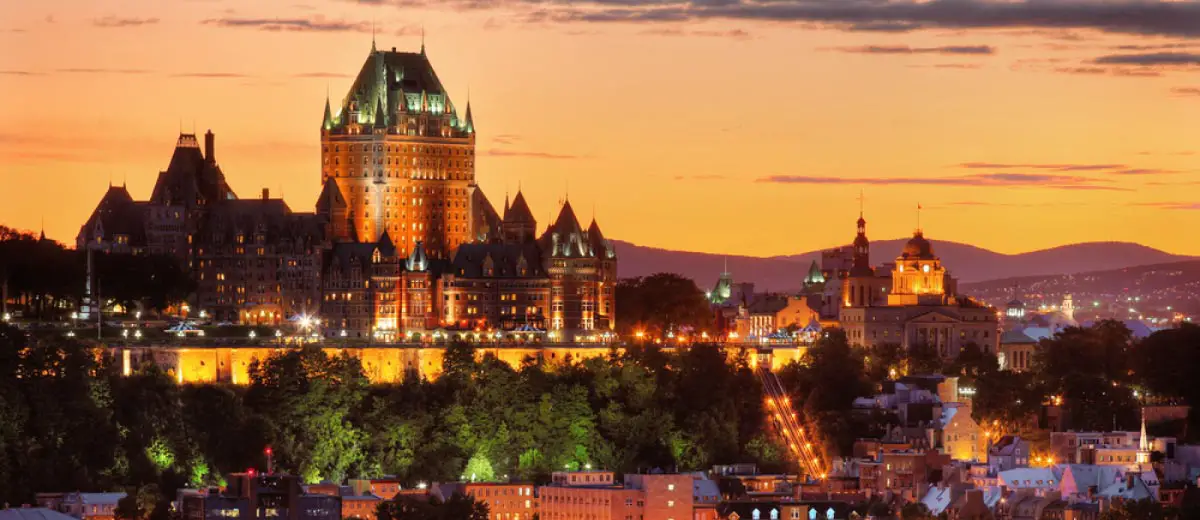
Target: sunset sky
x=726, y=126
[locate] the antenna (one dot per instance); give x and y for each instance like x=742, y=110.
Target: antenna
x=918, y=217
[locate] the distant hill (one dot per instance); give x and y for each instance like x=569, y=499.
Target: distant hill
x=1156, y=286
x=966, y=262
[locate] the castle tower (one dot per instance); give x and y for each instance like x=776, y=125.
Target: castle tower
x=401, y=158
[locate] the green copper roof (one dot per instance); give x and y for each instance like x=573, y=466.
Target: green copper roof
x=391, y=81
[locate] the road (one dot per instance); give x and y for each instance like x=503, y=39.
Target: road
x=797, y=439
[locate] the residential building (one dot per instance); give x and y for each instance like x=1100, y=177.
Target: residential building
x=1008, y=452
x=253, y=496
x=594, y=495
x=505, y=501
x=90, y=506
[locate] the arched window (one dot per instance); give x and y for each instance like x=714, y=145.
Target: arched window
x=774, y=514
x=756, y=515
x=812, y=514
x=829, y=513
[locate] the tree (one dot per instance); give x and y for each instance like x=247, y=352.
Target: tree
x=972, y=362
x=309, y=398
x=144, y=503
x=1145, y=509
x=457, y=507
x=1010, y=398
x=661, y=303
x=915, y=511
x=923, y=358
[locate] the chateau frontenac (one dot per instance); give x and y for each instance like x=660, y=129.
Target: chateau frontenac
x=402, y=240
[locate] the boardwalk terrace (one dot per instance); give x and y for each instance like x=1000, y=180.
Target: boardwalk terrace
x=381, y=363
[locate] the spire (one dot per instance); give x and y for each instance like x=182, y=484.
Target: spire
x=327, y=124
x=42, y=238
x=1144, y=443
x=422, y=40
x=373, y=36
x=470, y=121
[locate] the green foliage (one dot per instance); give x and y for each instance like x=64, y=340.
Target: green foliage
x=660, y=303
x=457, y=507
x=828, y=379
x=479, y=469
x=69, y=420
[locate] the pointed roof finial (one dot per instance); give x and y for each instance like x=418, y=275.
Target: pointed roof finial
x=919, y=207
x=373, y=35
x=861, y=202
x=422, y=40
x=327, y=123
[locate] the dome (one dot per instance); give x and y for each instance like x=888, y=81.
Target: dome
x=918, y=248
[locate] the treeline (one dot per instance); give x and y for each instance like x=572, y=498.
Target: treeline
x=69, y=421
x=1099, y=375
x=39, y=273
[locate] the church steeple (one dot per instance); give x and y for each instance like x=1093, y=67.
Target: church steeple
x=1143, y=453
x=862, y=250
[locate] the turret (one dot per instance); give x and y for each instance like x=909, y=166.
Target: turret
x=327, y=123
x=470, y=126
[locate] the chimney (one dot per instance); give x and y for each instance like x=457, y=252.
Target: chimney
x=208, y=147
x=266, y=194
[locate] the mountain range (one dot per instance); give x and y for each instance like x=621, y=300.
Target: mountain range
x=966, y=262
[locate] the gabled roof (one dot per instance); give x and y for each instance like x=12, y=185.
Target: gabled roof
x=117, y=214
x=518, y=211
x=506, y=260
x=601, y=247
x=565, y=237
x=485, y=220
x=1029, y=478
x=1130, y=488
x=383, y=82
x=1015, y=337
x=417, y=260
x=189, y=178
x=385, y=245
x=32, y=513
x=331, y=197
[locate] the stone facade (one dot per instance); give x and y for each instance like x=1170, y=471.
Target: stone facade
x=911, y=302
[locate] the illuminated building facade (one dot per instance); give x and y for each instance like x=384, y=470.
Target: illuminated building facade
x=402, y=242
x=401, y=158
x=254, y=260
x=417, y=246
x=913, y=303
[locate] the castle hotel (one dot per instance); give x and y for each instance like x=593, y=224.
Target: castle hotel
x=401, y=241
